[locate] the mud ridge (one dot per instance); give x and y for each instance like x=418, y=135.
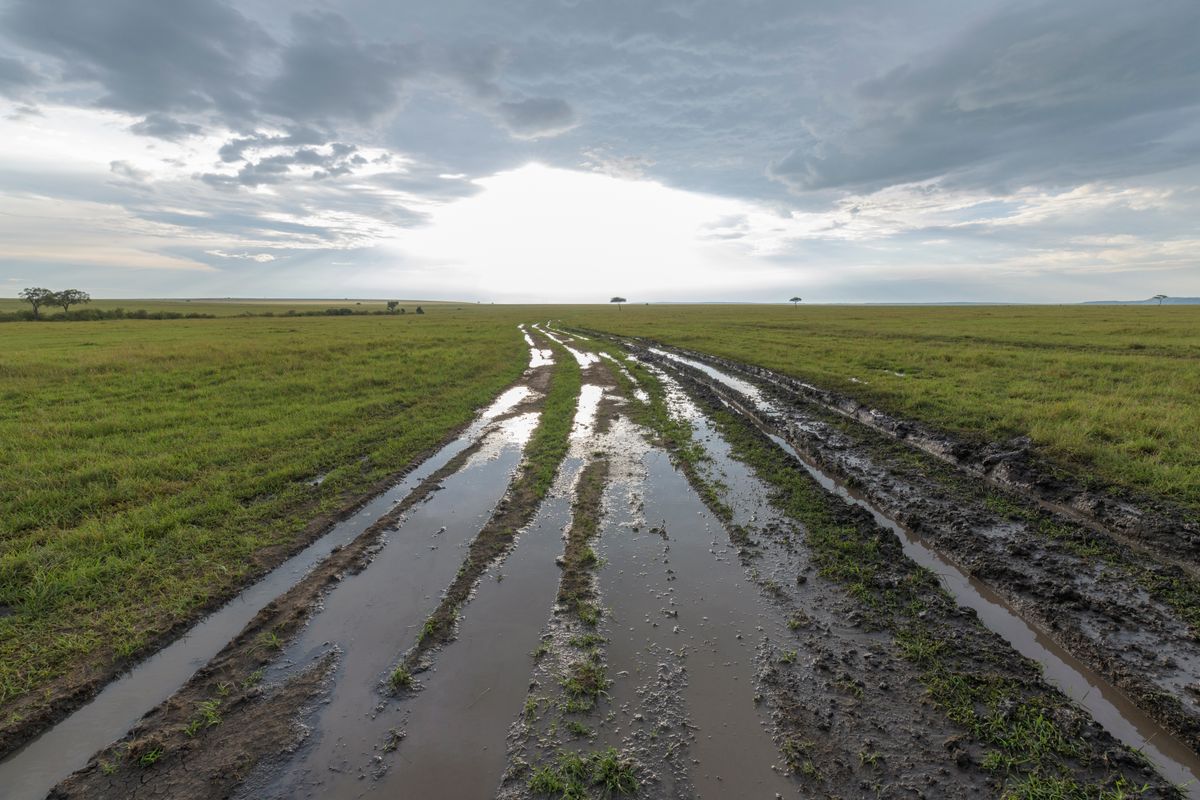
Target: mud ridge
x=1168, y=530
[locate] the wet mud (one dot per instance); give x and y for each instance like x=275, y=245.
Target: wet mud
x=909, y=495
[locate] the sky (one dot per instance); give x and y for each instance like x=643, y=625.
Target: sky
x=572, y=150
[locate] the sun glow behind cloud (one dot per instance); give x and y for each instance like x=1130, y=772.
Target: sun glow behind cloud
x=542, y=233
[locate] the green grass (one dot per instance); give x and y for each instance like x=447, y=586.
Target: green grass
x=145, y=464
x=1104, y=391
x=578, y=775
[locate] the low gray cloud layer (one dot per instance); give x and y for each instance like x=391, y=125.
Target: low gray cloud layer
x=990, y=128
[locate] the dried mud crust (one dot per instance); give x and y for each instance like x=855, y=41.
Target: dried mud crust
x=1132, y=620
x=1168, y=530
x=26, y=717
x=189, y=730
x=846, y=745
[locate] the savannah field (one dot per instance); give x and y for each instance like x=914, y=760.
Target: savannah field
x=152, y=467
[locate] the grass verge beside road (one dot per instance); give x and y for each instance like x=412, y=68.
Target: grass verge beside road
x=150, y=469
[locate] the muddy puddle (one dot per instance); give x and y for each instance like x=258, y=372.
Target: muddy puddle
x=372, y=617
x=1110, y=707
x=683, y=609
x=538, y=356
x=476, y=688
x=584, y=358
x=29, y=773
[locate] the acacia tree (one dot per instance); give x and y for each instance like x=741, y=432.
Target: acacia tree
x=1159, y=298
x=69, y=297
x=794, y=301
x=618, y=301
x=37, y=297
x=391, y=306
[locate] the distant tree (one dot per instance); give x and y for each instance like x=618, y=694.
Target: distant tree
x=420, y=310
x=70, y=297
x=37, y=297
x=618, y=301
x=795, y=300
x=391, y=305
x=402, y=311
x=1159, y=298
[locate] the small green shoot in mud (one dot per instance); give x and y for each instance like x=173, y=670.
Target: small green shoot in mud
x=545, y=781
x=107, y=767
x=789, y=657
x=576, y=728
x=607, y=773
x=208, y=712
x=587, y=641
x=585, y=683
x=150, y=757
x=270, y=640
x=797, y=621
x=588, y=613
x=401, y=678
x=394, y=736
x=530, y=710
x=541, y=650
x=253, y=678
x=868, y=758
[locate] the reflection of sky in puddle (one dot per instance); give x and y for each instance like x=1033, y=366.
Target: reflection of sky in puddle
x=584, y=360
x=506, y=402
x=585, y=414
x=537, y=356
x=742, y=387
x=512, y=432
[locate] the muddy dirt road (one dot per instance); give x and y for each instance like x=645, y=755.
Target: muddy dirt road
x=647, y=573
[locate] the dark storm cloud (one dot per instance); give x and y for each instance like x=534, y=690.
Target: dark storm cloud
x=148, y=56
x=329, y=74
x=1051, y=93
x=16, y=77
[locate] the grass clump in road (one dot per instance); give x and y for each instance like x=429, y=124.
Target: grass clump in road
x=150, y=469
x=983, y=373
x=577, y=775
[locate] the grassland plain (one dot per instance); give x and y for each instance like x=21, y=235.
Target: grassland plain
x=1107, y=392
x=225, y=307
x=149, y=468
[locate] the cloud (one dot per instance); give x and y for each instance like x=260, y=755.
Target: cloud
x=1036, y=94
x=328, y=73
x=147, y=56
x=123, y=169
x=162, y=126
x=535, y=117
x=16, y=77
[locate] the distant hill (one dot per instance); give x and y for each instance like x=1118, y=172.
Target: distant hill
x=1168, y=301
